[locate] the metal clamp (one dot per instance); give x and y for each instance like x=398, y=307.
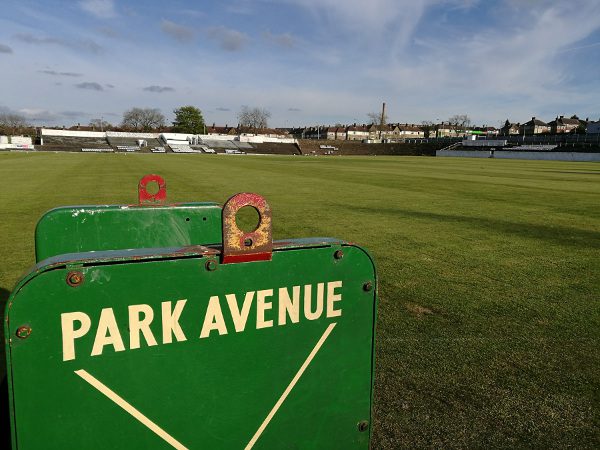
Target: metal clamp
x=240, y=246
x=145, y=197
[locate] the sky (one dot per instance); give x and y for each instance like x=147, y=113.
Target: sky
x=306, y=61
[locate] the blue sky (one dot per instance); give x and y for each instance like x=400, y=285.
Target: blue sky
x=306, y=61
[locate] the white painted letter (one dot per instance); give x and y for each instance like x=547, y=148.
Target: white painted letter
x=170, y=321
x=308, y=300
x=136, y=325
x=69, y=334
x=289, y=306
x=261, y=306
x=107, y=333
x=240, y=318
x=333, y=297
x=213, y=320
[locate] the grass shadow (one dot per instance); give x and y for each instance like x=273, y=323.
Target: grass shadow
x=559, y=235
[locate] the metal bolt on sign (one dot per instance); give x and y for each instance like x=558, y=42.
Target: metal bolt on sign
x=211, y=265
x=75, y=278
x=363, y=425
x=245, y=353
x=23, y=332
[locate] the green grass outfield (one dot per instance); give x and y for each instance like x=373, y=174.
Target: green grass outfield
x=489, y=316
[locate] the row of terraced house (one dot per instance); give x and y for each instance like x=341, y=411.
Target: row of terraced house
x=390, y=132
x=560, y=125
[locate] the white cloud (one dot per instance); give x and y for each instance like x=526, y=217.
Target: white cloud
x=228, y=39
x=514, y=68
x=158, y=89
x=87, y=45
x=103, y=9
x=285, y=40
x=178, y=32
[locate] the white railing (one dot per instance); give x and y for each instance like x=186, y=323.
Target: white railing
x=97, y=150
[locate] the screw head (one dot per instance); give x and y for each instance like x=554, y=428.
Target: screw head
x=211, y=265
x=338, y=254
x=363, y=425
x=23, y=332
x=367, y=286
x=74, y=278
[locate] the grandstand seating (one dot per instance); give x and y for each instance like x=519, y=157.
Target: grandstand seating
x=128, y=148
x=123, y=143
x=242, y=145
x=312, y=147
x=272, y=148
x=98, y=150
x=544, y=148
x=184, y=149
x=216, y=144
x=203, y=148
x=75, y=141
x=158, y=150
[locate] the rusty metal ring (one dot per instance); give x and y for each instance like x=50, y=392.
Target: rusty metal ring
x=145, y=197
x=255, y=245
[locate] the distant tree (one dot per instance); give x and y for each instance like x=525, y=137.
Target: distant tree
x=377, y=118
x=254, y=118
x=428, y=127
x=582, y=127
x=189, y=120
x=460, y=120
x=143, y=119
x=12, y=122
x=100, y=124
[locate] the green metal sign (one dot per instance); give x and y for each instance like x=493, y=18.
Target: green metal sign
x=149, y=223
x=258, y=345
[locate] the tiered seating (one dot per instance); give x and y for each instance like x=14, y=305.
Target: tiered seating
x=75, y=141
x=544, y=148
x=203, y=148
x=158, y=150
x=272, y=148
x=184, y=149
x=75, y=144
x=98, y=150
x=219, y=144
x=128, y=148
x=234, y=152
x=242, y=145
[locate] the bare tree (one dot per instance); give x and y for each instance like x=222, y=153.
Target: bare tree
x=100, y=124
x=144, y=119
x=460, y=120
x=377, y=118
x=428, y=127
x=253, y=117
x=12, y=122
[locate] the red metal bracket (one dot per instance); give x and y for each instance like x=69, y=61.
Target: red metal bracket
x=240, y=246
x=145, y=197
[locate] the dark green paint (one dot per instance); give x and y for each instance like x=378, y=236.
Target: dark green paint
x=73, y=229
x=207, y=393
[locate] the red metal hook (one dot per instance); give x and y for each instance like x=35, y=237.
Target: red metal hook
x=145, y=197
x=240, y=246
